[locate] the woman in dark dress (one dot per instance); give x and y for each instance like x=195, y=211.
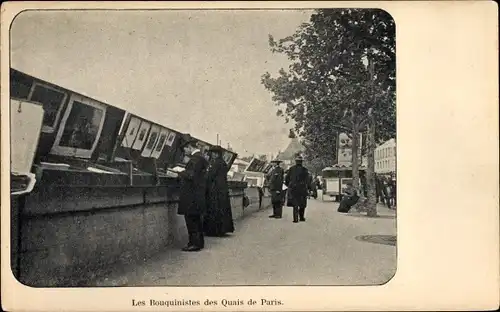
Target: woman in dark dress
x=218, y=218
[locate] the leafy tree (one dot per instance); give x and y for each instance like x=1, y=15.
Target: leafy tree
x=341, y=78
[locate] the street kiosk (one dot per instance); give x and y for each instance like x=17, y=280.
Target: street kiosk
x=335, y=179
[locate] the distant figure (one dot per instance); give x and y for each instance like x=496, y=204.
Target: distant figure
x=386, y=190
x=349, y=198
x=378, y=189
x=275, y=176
x=260, y=190
x=391, y=182
x=218, y=218
x=192, y=203
x=297, y=181
x=317, y=182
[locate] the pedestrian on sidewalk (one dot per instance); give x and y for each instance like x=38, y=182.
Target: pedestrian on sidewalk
x=387, y=191
x=218, y=218
x=275, y=177
x=378, y=189
x=297, y=181
x=392, y=185
x=192, y=203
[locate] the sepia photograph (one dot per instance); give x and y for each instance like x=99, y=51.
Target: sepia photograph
x=283, y=128
x=244, y=156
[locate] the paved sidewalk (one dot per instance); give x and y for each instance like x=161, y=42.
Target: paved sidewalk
x=330, y=248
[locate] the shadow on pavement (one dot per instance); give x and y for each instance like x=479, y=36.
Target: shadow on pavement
x=378, y=239
x=360, y=215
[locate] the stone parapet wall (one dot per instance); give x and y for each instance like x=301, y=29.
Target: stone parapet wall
x=69, y=237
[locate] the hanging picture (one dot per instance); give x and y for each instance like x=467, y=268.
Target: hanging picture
x=160, y=143
x=170, y=139
x=141, y=135
x=151, y=141
x=131, y=134
x=52, y=101
x=80, y=128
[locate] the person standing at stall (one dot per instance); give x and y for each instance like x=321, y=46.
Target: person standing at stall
x=192, y=202
x=297, y=181
x=275, y=177
x=219, y=218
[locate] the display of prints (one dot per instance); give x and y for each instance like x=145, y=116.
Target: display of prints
x=151, y=142
x=256, y=165
x=170, y=138
x=160, y=143
x=267, y=168
x=141, y=135
x=131, y=133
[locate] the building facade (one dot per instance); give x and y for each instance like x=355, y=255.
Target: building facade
x=385, y=157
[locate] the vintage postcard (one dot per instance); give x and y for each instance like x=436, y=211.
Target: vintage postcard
x=249, y=156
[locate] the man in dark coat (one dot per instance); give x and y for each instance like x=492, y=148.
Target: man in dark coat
x=297, y=181
x=378, y=189
x=275, y=177
x=393, y=190
x=192, y=202
x=219, y=218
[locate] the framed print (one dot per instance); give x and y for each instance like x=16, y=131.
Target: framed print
x=52, y=101
x=170, y=138
x=80, y=128
x=158, y=148
x=141, y=135
x=151, y=142
x=131, y=134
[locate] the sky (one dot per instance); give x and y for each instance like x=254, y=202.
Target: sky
x=192, y=71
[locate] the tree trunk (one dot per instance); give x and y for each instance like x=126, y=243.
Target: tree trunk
x=355, y=158
x=371, y=203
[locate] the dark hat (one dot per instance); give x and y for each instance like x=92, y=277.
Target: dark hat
x=215, y=149
x=187, y=140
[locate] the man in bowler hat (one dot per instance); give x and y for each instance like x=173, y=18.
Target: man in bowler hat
x=192, y=201
x=275, y=177
x=298, y=183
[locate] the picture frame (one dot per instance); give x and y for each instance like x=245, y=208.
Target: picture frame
x=48, y=128
x=131, y=132
x=151, y=141
x=142, y=135
x=61, y=149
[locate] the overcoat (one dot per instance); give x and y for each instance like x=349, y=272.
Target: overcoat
x=276, y=177
x=192, y=191
x=298, y=183
x=219, y=217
